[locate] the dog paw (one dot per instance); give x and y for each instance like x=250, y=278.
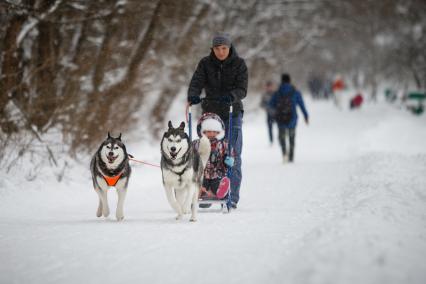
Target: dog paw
x=106, y=213
x=119, y=214
x=193, y=219
x=178, y=217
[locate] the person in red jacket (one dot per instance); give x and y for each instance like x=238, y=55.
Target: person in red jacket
x=356, y=101
x=337, y=90
x=338, y=85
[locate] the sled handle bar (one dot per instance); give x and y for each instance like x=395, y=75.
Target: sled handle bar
x=188, y=113
x=213, y=100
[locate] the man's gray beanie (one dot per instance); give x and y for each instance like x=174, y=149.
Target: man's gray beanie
x=221, y=38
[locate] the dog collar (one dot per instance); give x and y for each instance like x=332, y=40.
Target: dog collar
x=180, y=173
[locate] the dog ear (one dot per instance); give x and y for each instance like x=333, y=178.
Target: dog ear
x=182, y=126
x=119, y=137
x=109, y=135
x=170, y=124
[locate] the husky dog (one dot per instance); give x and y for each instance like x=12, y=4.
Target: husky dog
x=110, y=167
x=182, y=167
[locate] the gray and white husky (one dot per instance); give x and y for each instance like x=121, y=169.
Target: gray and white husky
x=110, y=168
x=182, y=167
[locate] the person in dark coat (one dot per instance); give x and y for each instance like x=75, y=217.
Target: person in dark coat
x=224, y=77
x=288, y=128
x=264, y=103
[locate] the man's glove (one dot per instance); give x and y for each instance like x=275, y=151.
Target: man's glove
x=227, y=99
x=229, y=161
x=193, y=100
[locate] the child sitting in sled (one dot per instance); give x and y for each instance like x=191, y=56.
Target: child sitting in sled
x=215, y=184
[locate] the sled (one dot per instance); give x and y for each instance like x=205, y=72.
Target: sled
x=221, y=195
x=221, y=202
x=224, y=202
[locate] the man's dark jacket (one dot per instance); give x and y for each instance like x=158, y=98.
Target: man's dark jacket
x=220, y=78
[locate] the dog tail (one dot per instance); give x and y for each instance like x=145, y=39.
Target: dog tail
x=204, y=150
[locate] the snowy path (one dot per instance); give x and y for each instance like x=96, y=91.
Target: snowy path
x=352, y=209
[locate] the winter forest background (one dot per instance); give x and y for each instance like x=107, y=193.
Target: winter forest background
x=351, y=208
x=71, y=69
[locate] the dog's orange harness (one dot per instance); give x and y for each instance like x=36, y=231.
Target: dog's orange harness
x=112, y=181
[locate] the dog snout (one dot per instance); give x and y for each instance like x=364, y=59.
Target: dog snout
x=173, y=149
x=111, y=154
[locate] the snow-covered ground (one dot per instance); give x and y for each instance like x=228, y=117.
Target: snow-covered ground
x=351, y=209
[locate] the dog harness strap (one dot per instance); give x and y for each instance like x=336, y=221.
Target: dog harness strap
x=112, y=181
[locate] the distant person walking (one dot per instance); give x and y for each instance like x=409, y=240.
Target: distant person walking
x=264, y=103
x=315, y=86
x=356, y=101
x=224, y=77
x=284, y=103
x=337, y=89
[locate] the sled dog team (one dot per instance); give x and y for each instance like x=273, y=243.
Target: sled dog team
x=183, y=165
x=191, y=169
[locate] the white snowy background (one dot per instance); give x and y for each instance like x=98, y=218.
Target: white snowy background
x=351, y=209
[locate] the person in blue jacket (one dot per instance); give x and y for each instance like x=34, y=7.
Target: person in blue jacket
x=279, y=104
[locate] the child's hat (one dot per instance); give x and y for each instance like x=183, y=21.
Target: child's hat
x=211, y=122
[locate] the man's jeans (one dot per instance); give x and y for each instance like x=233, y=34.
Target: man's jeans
x=291, y=133
x=237, y=146
x=270, y=122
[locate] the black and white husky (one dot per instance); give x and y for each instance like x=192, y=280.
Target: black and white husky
x=182, y=167
x=110, y=168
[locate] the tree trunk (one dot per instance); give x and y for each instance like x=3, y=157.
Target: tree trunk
x=45, y=102
x=11, y=73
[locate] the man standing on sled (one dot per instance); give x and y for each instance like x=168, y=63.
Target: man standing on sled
x=224, y=77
